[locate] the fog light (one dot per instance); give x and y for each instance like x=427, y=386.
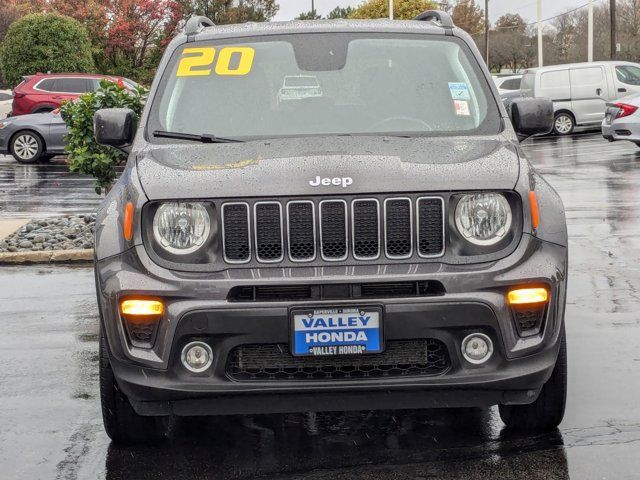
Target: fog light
x=135, y=307
x=523, y=296
x=197, y=357
x=477, y=348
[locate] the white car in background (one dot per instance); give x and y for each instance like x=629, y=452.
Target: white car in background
x=509, y=83
x=622, y=120
x=298, y=87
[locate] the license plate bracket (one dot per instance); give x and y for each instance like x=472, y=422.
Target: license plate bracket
x=336, y=331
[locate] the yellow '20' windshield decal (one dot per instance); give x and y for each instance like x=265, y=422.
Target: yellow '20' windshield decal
x=197, y=61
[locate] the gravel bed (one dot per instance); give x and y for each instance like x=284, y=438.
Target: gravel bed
x=58, y=233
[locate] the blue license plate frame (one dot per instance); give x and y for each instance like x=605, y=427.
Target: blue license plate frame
x=340, y=331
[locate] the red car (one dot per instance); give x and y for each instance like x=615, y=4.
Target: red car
x=42, y=93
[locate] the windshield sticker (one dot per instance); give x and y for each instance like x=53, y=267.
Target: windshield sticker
x=459, y=91
x=196, y=62
x=462, y=108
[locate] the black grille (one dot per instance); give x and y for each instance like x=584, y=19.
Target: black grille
x=141, y=334
x=366, y=237
x=302, y=241
x=282, y=293
x=273, y=362
x=236, y=232
x=528, y=319
x=268, y=232
x=333, y=229
x=430, y=238
x=302, y=230
x=398, y=227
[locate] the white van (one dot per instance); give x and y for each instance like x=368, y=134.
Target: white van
x=580, y=91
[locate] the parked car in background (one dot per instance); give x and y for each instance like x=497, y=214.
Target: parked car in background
x=31, y=138
x=580, y=91
x=508, y=83
x=622, y=120
x=297, y=87
x=42, y=93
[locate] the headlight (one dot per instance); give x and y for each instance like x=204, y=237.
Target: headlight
x=483, y=218
x=181, y=227
x=4, y=124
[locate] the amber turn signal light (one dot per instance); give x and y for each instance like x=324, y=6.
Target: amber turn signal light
x=128, y=221
x=524, y=296
x=134, y=307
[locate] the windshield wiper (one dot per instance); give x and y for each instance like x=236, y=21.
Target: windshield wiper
x=204, y=138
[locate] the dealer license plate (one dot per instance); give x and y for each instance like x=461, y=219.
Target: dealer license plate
x=337, y=331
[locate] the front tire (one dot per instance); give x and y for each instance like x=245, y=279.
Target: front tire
x=121, y=422
x=546, y=413
x=563, y=123
x=26, y=147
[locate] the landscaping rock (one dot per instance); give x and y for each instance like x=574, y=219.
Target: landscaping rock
x=62, y=233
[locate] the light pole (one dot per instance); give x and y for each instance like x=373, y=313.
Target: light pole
x=486, y=32
x=390, y=9
x=590, y=34
x=612, y=11
x=540, y=59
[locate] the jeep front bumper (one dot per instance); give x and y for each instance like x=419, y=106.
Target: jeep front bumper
x=197, y=308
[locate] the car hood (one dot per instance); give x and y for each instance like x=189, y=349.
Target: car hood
x=287, y=166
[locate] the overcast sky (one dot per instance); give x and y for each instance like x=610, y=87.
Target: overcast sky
x=526, y=8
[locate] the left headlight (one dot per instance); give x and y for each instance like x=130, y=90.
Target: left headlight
x=4, y=124
x=483, y=218
x=181, y=227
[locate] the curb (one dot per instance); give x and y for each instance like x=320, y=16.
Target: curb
x=48, y=256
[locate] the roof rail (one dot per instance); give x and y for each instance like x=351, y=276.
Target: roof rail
x=196, y=23
x=437, y=16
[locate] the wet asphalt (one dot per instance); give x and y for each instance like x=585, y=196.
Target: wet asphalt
x=50, y=424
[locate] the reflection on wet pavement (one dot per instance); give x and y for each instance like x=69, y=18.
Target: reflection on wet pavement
x=42, y=190
x=50, y=413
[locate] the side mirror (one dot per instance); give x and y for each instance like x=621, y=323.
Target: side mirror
x=115, y=127
x=531, y=116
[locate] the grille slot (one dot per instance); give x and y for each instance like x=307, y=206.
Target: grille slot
x=301, y=224
x=268, y=227
x=398, y=227
x=235, y=238
x=365, y=218
x=333, y=230
x=401, y=358
x=274, y=293
x=430, y=226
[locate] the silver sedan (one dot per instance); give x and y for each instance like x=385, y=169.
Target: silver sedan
x=622, y=120
x=33, y=138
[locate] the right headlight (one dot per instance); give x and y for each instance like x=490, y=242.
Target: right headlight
x=181, y=227
x=483, y=218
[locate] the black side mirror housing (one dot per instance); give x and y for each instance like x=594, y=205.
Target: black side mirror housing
x=115, y=127
x=530, y=116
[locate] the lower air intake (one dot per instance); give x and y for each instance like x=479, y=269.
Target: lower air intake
x=402, y=358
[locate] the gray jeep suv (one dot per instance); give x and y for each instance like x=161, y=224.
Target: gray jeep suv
x=376, y=240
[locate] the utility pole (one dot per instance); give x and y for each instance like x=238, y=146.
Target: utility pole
x=313, y=8
x=390, y=9
x=612, y=11
x=590, y=34
x=486, y=32
x=540, y=59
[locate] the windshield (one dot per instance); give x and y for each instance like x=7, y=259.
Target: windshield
x=355, y=84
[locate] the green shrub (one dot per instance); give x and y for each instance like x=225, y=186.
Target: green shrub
x=84, y=154
x=43, y=42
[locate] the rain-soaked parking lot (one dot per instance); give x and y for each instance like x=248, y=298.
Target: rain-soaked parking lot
x=49, y=405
